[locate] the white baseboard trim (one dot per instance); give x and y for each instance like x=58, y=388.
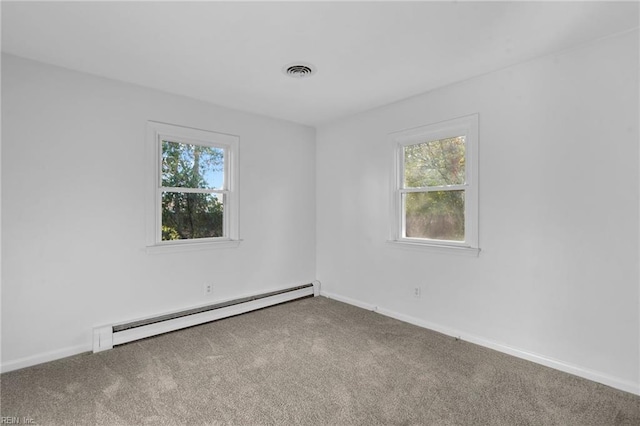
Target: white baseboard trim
x=585, y=373
x=44, y=357
x=75, y=350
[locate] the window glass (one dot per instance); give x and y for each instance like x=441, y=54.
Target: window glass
x=188, y=215
x=192, y=166
x=435, y=163
x=437, y=215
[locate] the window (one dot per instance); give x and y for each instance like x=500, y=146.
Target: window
x=193, y=197
x=435, y=185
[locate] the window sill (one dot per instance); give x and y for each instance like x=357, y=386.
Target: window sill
x=183, y=247
x=435, y=248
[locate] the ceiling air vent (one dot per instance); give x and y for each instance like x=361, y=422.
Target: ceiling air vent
x=299, y=70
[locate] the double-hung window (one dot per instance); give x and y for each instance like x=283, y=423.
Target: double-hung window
x=435, y=185
x=193, y=194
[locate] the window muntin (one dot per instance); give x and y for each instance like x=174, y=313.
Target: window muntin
x=194, y=196
x=434, y=186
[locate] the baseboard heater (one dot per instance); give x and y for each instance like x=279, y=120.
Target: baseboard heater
x=108, y=336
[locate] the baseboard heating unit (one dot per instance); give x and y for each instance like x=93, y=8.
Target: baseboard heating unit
x=108, y=336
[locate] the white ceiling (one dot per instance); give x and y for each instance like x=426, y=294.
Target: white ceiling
x=367, y=53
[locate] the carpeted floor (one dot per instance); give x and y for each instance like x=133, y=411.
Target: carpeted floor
x=316, y=362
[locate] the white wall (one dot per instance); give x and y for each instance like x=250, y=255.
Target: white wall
x=558, y=271
x=73, y=222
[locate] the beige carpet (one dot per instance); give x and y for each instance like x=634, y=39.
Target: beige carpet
x=314, y=361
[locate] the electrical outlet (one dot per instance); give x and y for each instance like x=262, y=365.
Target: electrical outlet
x=417, y=292
x=207, y=288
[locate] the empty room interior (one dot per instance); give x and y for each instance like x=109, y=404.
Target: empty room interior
x=320, y=213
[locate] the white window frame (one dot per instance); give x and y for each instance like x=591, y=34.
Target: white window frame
x=156, y=133
x=466, y=126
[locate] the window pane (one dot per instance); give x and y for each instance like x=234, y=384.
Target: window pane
x=192, y=166
x=187, y=216
x=434, y=163
x=437, y=215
